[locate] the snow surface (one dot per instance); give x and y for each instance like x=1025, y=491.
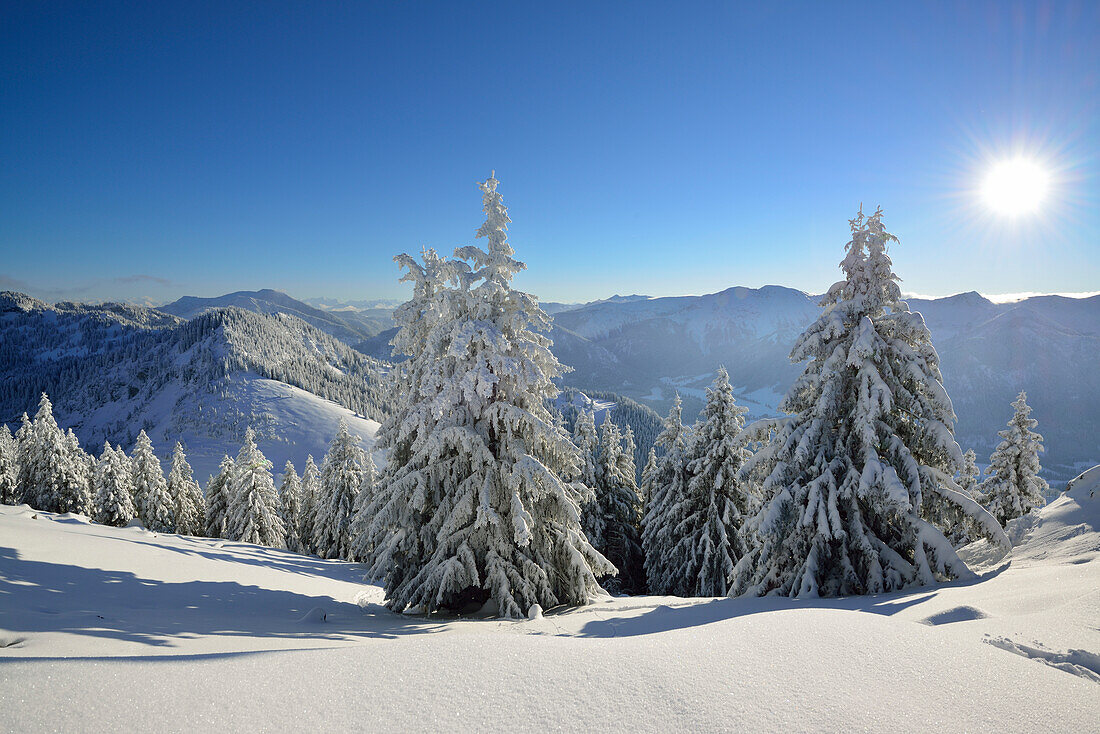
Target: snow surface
x=118, y=628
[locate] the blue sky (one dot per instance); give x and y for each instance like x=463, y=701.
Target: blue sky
x=661, y=148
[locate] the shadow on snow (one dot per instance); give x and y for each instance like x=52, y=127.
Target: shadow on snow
x=694, y=613
x=38, y=596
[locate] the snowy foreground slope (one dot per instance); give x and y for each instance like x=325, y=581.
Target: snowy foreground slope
x=104, y=628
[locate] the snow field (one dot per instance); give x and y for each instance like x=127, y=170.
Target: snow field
x=118, y=628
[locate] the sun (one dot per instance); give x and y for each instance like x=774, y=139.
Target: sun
x=1015, y=187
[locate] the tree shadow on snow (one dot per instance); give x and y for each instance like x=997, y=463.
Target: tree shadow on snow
x=254, y=555
x=38, y=596
x=695, y=612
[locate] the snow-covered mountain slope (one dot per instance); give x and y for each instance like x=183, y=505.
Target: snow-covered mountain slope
x=289, y=422
x=650, y=349
x=112, y=371
x=350, y=326
x=177, y=633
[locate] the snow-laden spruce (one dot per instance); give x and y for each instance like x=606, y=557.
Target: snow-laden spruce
x=75, y=483
x=9, y=468
x=618, y=510
x=24, y=447
x=667, y=488
x=217, y=500
x=587, y=442
x=187, y=499
x=155, y=505
x=361, y=517
x=290, y=507
x=1013, y=487
x=967, y=478
x=114, y=487
x=342, y=474
x=253, y=504
x=867, y=453
x=52, y=469
x=473, y=504
x=649, y=474
x=311, y=481
x=718, y=501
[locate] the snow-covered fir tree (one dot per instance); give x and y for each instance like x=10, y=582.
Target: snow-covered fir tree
x=155, y=505
x=187, y=499
x=253, y=503
x=361, y=517
x=620, y=512
x=627, y=464
x=342, y=474
x=717, y=501
x=43, y=460
x=290, y=506
x=665, y=506
x=587, y=442
x=474, y=504
x=967, y=477
x=9, y=468
x=217, y=499
x=74, y=486
x=867, y=452
x=649, y=474
x=113, y=486
x=1013, y=487
x=311, y=482
x=24, y=450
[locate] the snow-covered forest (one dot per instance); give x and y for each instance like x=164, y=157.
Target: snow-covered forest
x=496, y=489
x=484, y=490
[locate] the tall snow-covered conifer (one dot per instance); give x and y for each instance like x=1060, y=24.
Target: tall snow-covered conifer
x=627, y=464
x=311, y=481
x=717, y=502
x=217, y=500
x=361, y=517
x=44, y=466
x=253, y=503
x=473, y=505
x=9, y=468
x=187, y=499
x=649, y=474
x=665, y=506
x=342, y=476
x=619, y=509
x=1013, y=487
x=587, y=442
x=75, y=483
x=114, y=486
x=154, y=503
x=290, y=504
x=968, y=474
x=24, y=457
x=867, y=453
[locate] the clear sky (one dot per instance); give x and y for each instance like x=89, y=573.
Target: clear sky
x=161, y=149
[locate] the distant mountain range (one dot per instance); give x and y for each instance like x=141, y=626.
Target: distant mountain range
x=650, y=349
